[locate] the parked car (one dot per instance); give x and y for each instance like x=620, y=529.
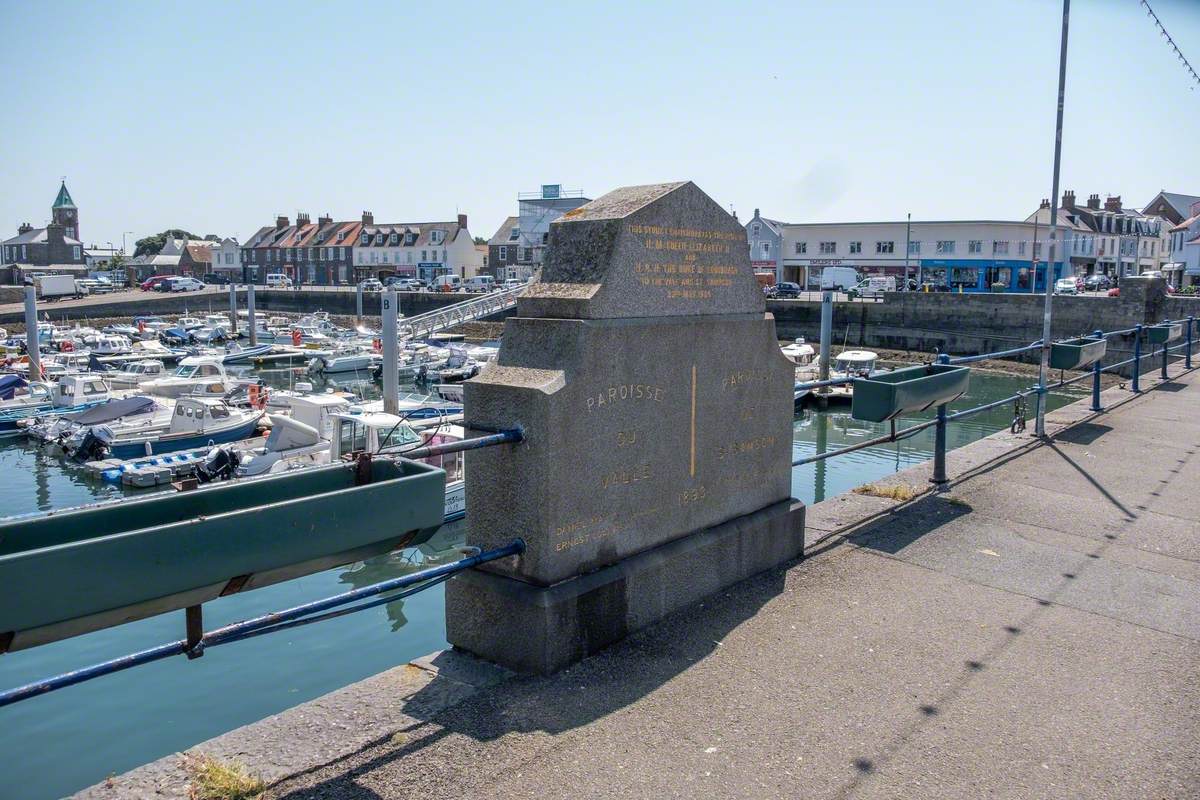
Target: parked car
x=1065, y=286
x=784, y=289
x=152, y=283
x=1097, y=282
x=513, y=283
x=447, y=283
x=216, y=279
x=404, y=284
x=277, y=280
x=371, y=285
x=183, y=284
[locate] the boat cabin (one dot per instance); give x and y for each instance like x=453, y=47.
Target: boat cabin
x=799, y=352
x=142, y=370
x=196, y=414
x=371, y=433
x=855, y=363
x=318, y=410
x=73, y=390
x=199, y=367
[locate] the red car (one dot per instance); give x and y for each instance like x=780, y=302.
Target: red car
x=151, y=283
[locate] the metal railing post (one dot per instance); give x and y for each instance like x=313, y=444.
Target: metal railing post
x=1096, y=377
x=1165, y=356
x=1137, y=358
x=939, y=440
x=1187, y=350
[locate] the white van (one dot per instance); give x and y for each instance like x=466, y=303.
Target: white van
x=839, y=278
x=279, y=280
x=480, y=283
x=876, y=285
x=447, y=283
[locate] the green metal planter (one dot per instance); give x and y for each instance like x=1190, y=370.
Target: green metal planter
x=1077, y=353
x=887, y=395
x=1167, y=332
x=69, y=572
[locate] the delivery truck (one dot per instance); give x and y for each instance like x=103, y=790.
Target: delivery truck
x=53, y=287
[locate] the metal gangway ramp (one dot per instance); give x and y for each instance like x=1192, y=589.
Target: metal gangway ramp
x=422, y=326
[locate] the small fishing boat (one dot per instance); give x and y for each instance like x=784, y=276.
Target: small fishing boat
x=237, y=354
x=70, y=393
x=197, y=421
x=345, y=360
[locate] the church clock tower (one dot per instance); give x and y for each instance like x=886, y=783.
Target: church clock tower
x=65, y=213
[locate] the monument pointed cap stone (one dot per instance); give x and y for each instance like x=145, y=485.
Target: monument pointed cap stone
x=664, y=249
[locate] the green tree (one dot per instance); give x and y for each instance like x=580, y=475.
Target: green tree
x=480, y=240
x=153, y=245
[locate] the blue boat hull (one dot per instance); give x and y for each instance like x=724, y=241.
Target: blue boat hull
x=170, y=444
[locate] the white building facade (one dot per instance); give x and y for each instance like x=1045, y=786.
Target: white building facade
x=966, y=255
x=423, y=250
x=227, y=258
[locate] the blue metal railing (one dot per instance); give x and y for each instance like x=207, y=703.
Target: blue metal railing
x=374, y=595
x=944, y=418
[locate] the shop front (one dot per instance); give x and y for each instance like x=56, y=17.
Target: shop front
x=986, y=276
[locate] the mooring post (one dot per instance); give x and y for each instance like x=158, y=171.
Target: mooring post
x=939, y=439
x=391, y=358
x=1137, y=359
x=826, y=339
x=1187, y=350
x=31, y=333
x=250, y=314
x=1096, y=377
x=358, y=305
x=233, y=309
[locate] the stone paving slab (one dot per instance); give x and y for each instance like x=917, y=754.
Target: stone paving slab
x=929, y=649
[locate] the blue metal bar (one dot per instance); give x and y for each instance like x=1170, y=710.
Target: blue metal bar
x=819, y=384
x=1001, y=354
x=263, y=624
x=1187, y=357
x=967, y=412
x=1137, y=360
x=503, y=437
x=1096, y=378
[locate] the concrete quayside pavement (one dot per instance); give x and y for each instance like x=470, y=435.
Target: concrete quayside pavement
x=1034, y=631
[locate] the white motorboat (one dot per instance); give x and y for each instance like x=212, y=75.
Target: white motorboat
x=195, y=372
x=458, y=367
x=189, y=323
x=196, y=422
x=238, y=354
x=110, y=344
x=134, y=373
x=345, y=360
x=799, y=352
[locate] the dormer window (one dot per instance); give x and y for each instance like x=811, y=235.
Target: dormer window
x=366, y=238
x=379, y=238
x=394, y=238
x=436, y=237
x=410, y=239
x=514, y=234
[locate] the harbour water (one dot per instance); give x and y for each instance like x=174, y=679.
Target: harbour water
x=59, y=743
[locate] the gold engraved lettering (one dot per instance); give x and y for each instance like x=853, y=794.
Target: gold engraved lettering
x=624, y=476
x=637, y=392
x=741, y=378
x=626, y=438
x=730, y=449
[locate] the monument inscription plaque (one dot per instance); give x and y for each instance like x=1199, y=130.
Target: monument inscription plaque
x=648, y=380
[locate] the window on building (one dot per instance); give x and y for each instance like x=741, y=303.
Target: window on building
x=945, y=246
x=24, y=253
x=801, y=248
x=502, y=253
x=394, y=238
x=828, y=248
x=311, y=257
x=379, y=238
x=975, y=246
x=885, y=247
x=410, y=256
x=436, y=237
x=360, y=256
x=365, y=238
x=756, y=228
x=424, y=255
x=1020, y=248
x=914, y=247
x=75, y=251
x=341, y=253
x=374, y=256
x=855, y=248
x=766, y=249
x=526, y=254
x=229, y=258
x=1037, y=249
x=999, y=248
x=514, y=234
x=384, y=257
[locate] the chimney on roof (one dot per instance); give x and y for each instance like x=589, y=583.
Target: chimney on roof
x=325, y=219
x=1045, y=203
x=1113, y=204
x=281, y=222
x=302, y=218
x=368, y=218
x=755, y=213
x=25, y=228
x=1094, y=202
x=1068, y=201
x=462, y=221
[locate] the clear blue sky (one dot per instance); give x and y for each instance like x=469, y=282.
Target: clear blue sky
x=216, y=116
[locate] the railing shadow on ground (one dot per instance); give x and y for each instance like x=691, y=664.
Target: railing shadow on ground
x=553, y=704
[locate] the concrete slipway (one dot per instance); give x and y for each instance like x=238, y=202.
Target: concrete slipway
x=1033, y=632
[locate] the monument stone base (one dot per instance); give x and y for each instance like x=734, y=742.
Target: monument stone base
x=542, y=629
